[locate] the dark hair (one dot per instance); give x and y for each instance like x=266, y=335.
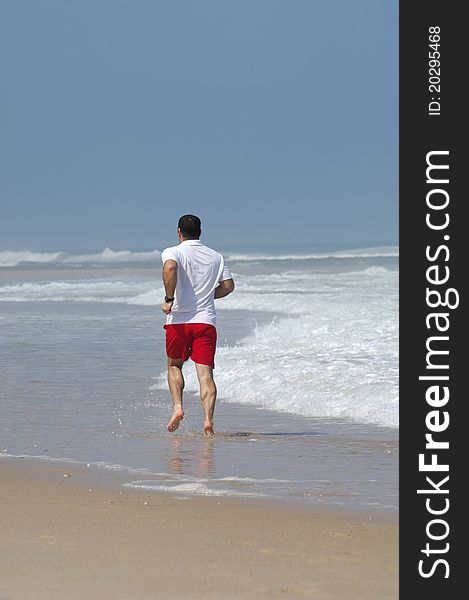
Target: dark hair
x=190, y=226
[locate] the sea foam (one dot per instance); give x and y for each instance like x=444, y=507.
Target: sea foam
x=374, y=252
x=9, y=258
x=12, y=258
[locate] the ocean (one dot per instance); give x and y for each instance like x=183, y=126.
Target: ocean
x=306, y=369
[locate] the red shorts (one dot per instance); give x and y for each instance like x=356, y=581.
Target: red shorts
x=197, y=340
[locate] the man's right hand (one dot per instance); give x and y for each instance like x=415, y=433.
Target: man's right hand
x=166, y=307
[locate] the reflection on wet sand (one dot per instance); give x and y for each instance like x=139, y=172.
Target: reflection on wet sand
x=201, y=454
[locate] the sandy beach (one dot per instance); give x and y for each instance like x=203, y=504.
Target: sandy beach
x=67, y=537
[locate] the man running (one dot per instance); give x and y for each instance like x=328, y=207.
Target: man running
x=194, y=276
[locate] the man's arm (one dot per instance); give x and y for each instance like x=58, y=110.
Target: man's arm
x=224, y=288
x=170, y=273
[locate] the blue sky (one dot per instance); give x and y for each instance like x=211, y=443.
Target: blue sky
x=274, y=121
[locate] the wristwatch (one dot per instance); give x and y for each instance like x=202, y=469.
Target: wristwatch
x=168, y=299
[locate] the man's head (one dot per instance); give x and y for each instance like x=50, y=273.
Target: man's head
x=189, y=227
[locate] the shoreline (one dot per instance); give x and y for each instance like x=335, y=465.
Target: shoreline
x=61, y=540
x=116, y=480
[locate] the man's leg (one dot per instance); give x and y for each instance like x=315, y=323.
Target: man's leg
x=176, y=386
x=208, y=395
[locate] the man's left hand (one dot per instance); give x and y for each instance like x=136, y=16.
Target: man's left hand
x=166, y=307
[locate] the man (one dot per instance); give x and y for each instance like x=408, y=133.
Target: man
x=193, y=277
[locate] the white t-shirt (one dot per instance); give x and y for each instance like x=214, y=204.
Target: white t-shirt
x=200, y=270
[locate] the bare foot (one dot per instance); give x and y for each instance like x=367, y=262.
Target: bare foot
x=208, y=428
x=178, y=416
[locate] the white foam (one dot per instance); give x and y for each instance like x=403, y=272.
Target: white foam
x=296, y=292
x=191, y=487
x=376, y=252
x=112, y=256
x=10, y=258
x=85, y=290
x=290, y=291
x=5, y=454
x=235, y=479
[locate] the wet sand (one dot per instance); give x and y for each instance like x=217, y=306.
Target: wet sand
x=59, y=540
